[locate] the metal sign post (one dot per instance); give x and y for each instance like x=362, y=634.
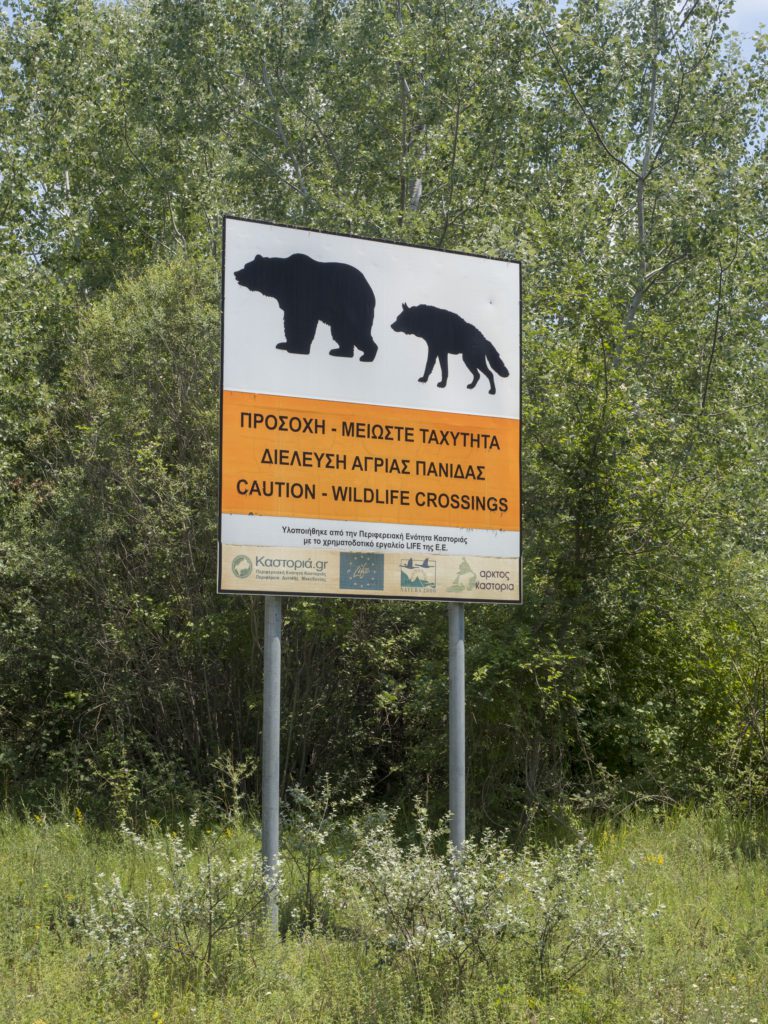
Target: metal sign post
x=456, y=727
x=270, y=757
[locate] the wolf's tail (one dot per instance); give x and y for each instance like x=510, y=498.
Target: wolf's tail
x=494, y=359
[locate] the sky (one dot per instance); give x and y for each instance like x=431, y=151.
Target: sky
x=747, y=16
x=748, y=13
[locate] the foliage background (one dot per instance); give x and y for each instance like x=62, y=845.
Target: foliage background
x=618, y=150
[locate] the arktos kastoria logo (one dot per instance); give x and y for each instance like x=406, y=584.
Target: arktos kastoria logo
x=465, y=578
x=361, y=571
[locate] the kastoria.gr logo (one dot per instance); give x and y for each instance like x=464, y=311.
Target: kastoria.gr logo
x=292, y=564
x=242, y=567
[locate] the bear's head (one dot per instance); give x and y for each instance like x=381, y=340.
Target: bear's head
x=258, y=275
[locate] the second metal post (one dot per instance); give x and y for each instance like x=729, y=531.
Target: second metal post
x=456, y=726
x=270, y=753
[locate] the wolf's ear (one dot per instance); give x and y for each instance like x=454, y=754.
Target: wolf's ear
x=405, y=305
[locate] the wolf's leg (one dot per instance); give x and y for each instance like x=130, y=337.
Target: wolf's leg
x=472, y=369
x=444, y=367
x=429, y=367
x=482, y=365
x=299, y=331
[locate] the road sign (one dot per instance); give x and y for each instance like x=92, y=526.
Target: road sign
x=370, y=419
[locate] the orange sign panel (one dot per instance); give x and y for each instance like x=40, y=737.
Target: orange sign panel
x=343, y=461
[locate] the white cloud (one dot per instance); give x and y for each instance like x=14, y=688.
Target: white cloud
x=748, y=14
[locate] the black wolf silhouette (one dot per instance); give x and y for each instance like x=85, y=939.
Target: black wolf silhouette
x=447, y=334
x=309, y=291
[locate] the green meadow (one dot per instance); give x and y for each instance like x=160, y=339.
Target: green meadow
x=658, y=918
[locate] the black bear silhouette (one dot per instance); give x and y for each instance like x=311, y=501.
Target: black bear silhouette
x=309, y=291
x=447, y=334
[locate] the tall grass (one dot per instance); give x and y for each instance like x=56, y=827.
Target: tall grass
x=661, y=918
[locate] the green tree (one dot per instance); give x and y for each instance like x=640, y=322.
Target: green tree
x=618, y=150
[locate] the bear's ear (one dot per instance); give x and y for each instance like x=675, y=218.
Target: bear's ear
x=405, y=305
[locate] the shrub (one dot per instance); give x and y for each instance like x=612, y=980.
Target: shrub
x=197, y=914
x=444, y=921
